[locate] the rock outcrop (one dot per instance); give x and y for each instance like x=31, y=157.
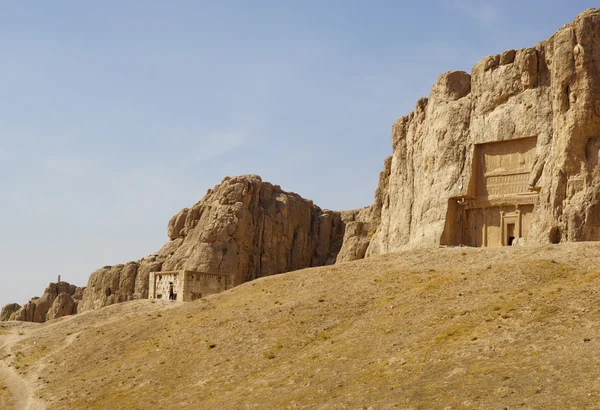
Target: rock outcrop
x=505, y=155
x=63, y=305
x=120, y=283
x=361, y=224
x=243, y=226
x=59, y=299
x=8, y=310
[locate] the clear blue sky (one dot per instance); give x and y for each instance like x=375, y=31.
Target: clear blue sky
x=114, y=115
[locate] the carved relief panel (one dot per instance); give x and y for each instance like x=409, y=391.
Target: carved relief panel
x=502, y=168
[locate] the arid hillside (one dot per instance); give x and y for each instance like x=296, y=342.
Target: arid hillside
x=445, y=328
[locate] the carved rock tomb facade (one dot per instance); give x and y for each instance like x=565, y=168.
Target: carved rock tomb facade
x=499, y=203
x=188, y=285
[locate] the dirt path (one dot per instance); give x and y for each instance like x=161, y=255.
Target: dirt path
x=22, y=389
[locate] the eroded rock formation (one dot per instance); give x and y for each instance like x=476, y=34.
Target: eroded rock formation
x=8, y=310
x=59, y=299
x=361, y=224
x=120, y=283
x=505, y=155
x=243, y=226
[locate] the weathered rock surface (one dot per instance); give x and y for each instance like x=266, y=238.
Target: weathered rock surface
x=119, y=283
x=8, y=310
x=63, y=305
x=243, y=226
x=59, y=299
x=505, y=155
x=360, y=224
x=549, y=92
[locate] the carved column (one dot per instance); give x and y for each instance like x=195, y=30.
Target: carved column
x=484, y=233
x=503, y=237
x=518, y=227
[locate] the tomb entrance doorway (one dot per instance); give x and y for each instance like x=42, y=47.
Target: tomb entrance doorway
x=510, y=234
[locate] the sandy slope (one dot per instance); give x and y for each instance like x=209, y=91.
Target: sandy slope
x=439, y=328
x=21, y=373
x=18, y=389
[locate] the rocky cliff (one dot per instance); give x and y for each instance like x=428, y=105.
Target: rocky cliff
x=507, y=154
x=360, y=225
x=549, y=93
x=59, y=299
x=242, y=226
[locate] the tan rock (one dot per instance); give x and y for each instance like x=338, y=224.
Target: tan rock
x=508, y=57
x=356, y=241
x=109, y=285
x=451, y=86
x=177, y=223
x=8, y=310
x=48, y=307
x=26, y=312
x=146, y=266
x=78, y=294
x=514, y=160
x=507, y=154
x=360, y=225
x=243, y=226
x=43, y=304
x=63, y=305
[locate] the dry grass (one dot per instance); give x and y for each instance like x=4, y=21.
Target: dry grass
x=443, y=328
x=6, y=400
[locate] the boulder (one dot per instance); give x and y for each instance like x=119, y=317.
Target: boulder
x=50, y=306
x=8, y=310
x=26, y=312
x=63, y=305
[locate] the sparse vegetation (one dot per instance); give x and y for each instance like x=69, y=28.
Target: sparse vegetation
x=406, y=329
x=6, y=399
x=29, y=354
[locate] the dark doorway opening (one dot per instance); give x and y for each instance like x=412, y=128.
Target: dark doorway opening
x=510, y=234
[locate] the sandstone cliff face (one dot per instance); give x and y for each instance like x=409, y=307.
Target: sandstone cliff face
x=361, y=224
x=63, y=305
x=119, y=283
x=243, y=226
x=550, y=92
x=59, y=299
x=445, y=180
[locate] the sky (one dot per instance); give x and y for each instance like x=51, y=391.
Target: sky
x=114, y=115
